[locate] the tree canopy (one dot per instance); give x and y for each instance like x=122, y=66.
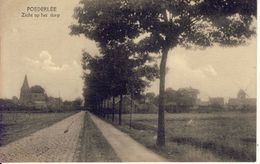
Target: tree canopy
x=169, y=22
x=37, y=89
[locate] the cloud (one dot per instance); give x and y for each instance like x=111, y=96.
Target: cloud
x=210, y=70
x=45, y=62
x=32, y=61
x=180, y=67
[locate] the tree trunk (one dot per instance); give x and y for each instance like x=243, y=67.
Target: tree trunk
x=107, y=108
x=113, y=109
x=161, y=121
x=120, y=110
x=99, y=108
x=107, y=111
x=131, y=111
x=104, y=108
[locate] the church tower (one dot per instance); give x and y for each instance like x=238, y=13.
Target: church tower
x=25, y=94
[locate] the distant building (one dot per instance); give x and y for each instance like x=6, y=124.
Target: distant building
x=217, y=102
x=32, y=97
x=241, y=101
x=204, y=104
x=201, y=103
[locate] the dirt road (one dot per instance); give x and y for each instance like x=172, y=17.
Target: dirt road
x=57, y=143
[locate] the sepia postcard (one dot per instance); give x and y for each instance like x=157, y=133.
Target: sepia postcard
x=128, y=81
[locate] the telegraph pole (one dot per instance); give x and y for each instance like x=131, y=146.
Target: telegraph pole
x=59, y=101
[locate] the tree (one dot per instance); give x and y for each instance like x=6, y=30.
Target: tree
x=95, y=88
x=170, y=95
x=150, y=96
x=183, y=98
x=117, y=72
x=37, y=89
x=168, y=23
x=186, y=97
x=77, y=103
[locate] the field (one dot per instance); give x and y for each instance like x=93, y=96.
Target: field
x=216, y=137
x=15, y=125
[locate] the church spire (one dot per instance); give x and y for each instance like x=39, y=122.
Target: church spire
x=25, y=92
x=25, y=84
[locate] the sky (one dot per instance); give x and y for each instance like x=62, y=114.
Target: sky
x=43, y=49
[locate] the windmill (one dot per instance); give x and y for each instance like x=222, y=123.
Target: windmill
x=242, y=93
x=242, y=100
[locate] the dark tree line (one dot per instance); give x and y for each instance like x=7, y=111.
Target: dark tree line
x=183, y=97
x=120, y=70
x=166, y=24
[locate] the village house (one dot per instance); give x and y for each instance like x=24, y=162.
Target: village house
x=202, y=104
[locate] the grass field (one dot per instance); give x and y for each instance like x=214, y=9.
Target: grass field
x=15, y=125
x=222, y=136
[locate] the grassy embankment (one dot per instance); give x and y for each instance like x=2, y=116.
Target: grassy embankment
x=94, y=147
x=222, y=136
x=16, y=125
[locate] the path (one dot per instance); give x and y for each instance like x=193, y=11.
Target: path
x=126, y=148
x=57, y=143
